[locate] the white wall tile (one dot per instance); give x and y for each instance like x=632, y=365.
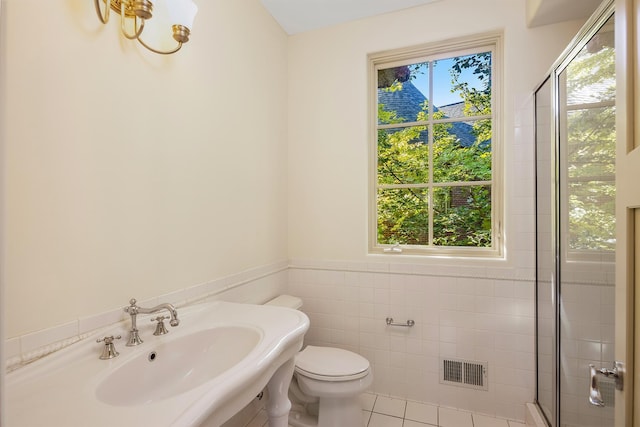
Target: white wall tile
x=481, y=317
x=32, y=342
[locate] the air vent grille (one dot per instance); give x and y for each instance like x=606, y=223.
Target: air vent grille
x=464, y=373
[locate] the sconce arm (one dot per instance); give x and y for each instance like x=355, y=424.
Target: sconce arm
x=168, y=52
x=123, y=27
x=104, y=17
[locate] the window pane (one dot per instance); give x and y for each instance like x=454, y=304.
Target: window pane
x=402, y=94
x=403, y=216
x=462, y=216
x=458, y=160
x=403, y=155
x=433, y=130
x=462, y=86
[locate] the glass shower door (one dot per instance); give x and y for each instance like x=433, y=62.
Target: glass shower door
x=575, y=228
x=586, y=224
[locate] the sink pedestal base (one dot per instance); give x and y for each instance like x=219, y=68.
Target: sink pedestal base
x=278, y=405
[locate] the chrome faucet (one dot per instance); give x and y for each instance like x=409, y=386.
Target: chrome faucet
x=134, y=310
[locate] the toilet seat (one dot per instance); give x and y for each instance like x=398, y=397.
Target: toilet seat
x=331, y=364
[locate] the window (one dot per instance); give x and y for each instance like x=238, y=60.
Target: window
x=435, y=149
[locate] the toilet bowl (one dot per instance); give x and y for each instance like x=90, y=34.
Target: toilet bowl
x=327, y=383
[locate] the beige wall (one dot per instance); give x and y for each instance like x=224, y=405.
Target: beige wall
x=132, y=174
x=471, y=309
x=328, y=152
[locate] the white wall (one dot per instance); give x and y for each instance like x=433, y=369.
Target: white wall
x=129, y=174
x=473, y=309
x=328, y=153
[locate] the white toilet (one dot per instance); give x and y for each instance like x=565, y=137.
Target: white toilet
x=327, y=383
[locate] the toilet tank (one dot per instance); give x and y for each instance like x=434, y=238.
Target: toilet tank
x=286, y=301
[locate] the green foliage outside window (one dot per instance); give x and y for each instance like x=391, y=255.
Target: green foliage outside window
x=591, y=144
x=425, y=169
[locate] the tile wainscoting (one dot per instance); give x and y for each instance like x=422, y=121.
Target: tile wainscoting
x=476, y=313
x=255, y=286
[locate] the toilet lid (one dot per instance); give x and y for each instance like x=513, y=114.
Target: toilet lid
x=331, y=364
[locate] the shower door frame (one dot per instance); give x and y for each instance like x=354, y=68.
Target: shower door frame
x=593, y=25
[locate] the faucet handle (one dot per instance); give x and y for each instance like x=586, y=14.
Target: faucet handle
x=109, y=351
x=132, y=308
x=160, y=328
x=108, y=340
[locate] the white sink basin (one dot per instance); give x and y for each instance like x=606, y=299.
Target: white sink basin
x=175, y=366
x=204, y=371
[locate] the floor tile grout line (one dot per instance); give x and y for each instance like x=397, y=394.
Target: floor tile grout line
x=392, y=416
x=404, y=417
x=372, y=406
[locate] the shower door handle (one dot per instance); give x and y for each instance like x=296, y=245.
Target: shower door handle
x=595, y=398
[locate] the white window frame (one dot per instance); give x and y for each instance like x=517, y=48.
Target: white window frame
x=431, y=52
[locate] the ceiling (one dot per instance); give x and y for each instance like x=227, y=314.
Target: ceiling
x=297, y=16
x=542, y=12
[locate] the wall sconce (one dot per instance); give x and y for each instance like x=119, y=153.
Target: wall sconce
x=136, y=12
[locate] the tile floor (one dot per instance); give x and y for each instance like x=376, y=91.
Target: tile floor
x=381, y=411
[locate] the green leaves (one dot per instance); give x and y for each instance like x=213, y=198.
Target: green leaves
x=425, y=173
x=590, y=148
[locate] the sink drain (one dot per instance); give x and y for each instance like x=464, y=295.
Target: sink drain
x=152, y=356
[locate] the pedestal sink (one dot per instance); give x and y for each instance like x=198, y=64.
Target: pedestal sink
x=201, y=373
x=176, y=366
